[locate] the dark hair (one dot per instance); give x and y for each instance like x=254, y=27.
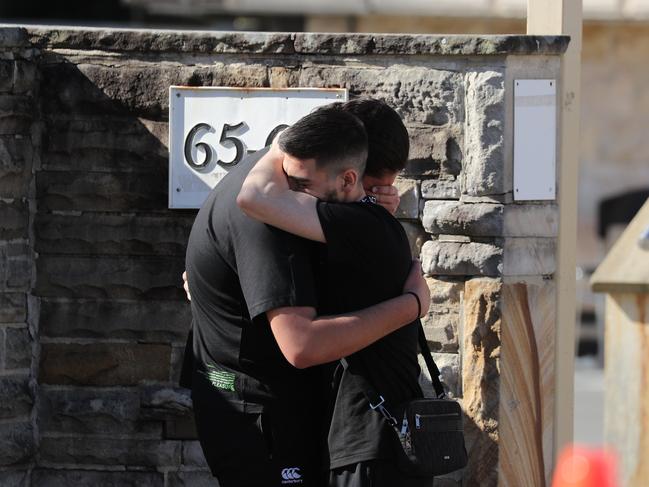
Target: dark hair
x=388, y=142
x=334, y=137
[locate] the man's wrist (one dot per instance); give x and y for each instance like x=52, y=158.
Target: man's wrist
x=418, y=303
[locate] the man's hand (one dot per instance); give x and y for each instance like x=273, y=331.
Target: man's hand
x=417, y=284
x=387, y=197
x=186, y=286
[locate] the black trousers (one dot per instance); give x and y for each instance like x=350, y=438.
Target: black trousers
x=276, y=446
x=374, y=473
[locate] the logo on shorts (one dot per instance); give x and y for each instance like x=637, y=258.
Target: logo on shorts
x=220, y=379
x=291, y=475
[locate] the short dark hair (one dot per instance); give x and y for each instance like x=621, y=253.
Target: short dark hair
x=334, y=137
x=388, y=141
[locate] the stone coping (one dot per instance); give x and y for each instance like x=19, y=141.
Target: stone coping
x=222, y=42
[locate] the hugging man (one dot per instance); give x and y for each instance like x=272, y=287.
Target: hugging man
x=255, y=290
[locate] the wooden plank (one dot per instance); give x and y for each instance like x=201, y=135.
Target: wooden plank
x=626, y=267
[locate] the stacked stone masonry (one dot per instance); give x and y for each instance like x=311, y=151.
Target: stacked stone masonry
x=92, y=313
x=19, y=148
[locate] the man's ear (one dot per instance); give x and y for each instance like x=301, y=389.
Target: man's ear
x=349, y=180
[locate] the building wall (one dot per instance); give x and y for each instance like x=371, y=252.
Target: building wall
x=101, y=318
x=414, y=24
x=615, y=117
x=19, y=160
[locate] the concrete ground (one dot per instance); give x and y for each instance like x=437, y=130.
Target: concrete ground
x=589, y=401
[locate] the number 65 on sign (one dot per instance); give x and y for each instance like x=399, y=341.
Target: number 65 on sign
x=211, y=129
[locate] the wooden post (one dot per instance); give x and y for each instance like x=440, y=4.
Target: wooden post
x=624, y=276
x=564, y=17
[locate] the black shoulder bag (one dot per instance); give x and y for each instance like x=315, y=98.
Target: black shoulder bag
x=430, y=432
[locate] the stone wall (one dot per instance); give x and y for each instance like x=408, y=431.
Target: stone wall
x=19, y=160
x=103, y=307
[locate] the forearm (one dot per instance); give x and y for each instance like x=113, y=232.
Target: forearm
x=266, y=196
x=335, y=337
x=306, y=342
x=264, y=184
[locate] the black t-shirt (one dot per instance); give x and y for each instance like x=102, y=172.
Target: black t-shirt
x=237, y=269
x=369, y=259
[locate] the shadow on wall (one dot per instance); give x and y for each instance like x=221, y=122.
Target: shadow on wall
x=114, y=317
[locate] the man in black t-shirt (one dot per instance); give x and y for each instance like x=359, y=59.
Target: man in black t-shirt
x=367, y=257
x=255, y=329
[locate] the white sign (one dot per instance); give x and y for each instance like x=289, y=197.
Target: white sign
x=212, y=128
x=535, y=136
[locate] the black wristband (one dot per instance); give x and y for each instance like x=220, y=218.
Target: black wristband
x=418, y=303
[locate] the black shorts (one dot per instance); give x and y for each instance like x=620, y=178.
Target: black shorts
x=257, y=448
x=374, y=473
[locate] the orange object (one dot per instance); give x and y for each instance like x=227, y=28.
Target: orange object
x=580, y=466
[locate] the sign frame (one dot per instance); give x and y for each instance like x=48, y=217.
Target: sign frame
x=206, y=137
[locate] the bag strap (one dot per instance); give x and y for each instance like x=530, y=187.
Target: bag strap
x=430, y=364
x=376, y=400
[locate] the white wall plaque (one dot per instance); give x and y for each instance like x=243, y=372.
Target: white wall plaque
x=212, y=128
x=535, y=134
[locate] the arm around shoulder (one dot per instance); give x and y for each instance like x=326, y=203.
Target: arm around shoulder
x=266, y=196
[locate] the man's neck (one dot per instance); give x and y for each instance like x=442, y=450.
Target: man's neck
x=357, y=194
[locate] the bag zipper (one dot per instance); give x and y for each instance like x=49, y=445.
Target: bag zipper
x=433, y=416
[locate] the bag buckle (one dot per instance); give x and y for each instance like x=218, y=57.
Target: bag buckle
x=386, y=414
x=372, y=406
